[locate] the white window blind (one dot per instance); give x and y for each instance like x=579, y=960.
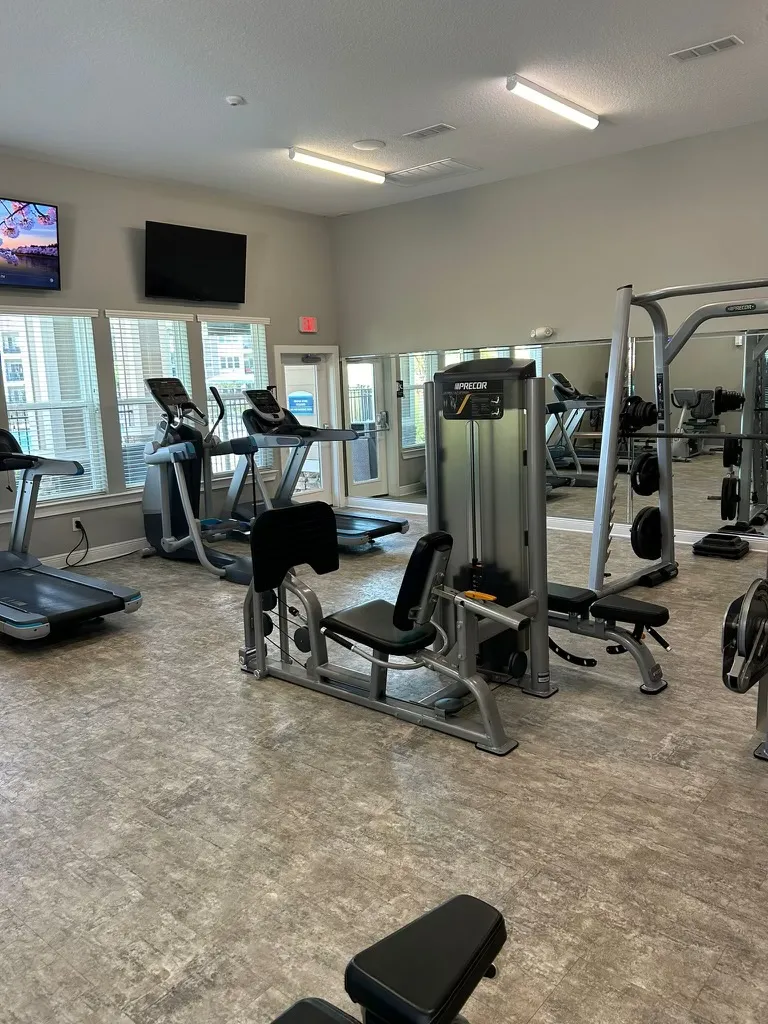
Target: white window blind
x=462, y=355
x=144, y=348
x=52, y=395
x=235, y=358
x=415, y=369
x=531, y=352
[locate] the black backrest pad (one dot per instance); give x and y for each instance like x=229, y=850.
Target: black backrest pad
x=426, y=971
x=298, y=535
x=430, y=556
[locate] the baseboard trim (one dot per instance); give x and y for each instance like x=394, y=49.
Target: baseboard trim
x=387, y=505
x=100, y=554
x=409, y=489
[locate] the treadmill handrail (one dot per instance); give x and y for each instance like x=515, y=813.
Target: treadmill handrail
x=54, y=467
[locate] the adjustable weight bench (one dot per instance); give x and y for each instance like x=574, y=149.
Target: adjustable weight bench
x=422, y=974
x=579, y=611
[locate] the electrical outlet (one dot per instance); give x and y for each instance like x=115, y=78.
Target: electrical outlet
x=77, y=524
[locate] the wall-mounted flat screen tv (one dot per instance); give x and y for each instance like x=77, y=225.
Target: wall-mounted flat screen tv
x=29, y=245
x=194, y=264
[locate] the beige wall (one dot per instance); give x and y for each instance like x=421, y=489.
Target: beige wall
x=485, y=265
x=102, y=260
x=584, y=365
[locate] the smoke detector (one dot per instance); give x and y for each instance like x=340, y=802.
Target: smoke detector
x=707, y=49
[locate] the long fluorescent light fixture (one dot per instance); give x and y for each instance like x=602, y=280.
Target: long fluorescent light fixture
x=301, y=156
x=544, y=98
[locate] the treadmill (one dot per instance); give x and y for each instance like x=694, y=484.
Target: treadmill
x=36, y=599
x=270, y=426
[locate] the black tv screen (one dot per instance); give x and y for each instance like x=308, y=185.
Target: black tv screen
x=29, y=245
x=194, y=264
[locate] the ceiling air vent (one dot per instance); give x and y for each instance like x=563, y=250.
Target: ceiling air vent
x=427, y=133
x=707, y=49
x=430, y=172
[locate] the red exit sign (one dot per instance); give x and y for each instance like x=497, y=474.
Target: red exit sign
x=307, y=325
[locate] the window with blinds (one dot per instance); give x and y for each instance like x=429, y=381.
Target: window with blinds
x=144, y=348
x=235, y=357
x=415, y=369
x=48, y=373
x=462, y=355
x=531, y=352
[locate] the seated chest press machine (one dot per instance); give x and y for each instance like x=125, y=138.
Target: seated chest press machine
x=477, y=580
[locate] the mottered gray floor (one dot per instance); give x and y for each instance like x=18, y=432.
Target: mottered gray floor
x=182, y=843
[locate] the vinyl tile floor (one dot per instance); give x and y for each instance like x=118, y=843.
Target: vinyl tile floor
x=182, y=843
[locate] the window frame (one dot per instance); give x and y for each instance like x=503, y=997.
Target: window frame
x=126, y=404
x=39, y=342
x=234, y=363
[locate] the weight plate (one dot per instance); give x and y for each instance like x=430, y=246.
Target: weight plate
x=644, y=475
x=729, y=498
x=645, y=535
x=729, y=634
x=754, y=611
x=731, y=452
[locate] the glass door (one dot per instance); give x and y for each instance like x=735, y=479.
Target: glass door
x=366, y=458
x=303, y=390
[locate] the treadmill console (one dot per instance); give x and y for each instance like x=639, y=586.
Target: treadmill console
x=269, y=416
x=563, y=387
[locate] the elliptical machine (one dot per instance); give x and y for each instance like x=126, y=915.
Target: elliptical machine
x=178, y=460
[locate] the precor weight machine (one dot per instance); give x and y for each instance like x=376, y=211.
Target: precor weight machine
x=479, y=591
x=659, y=533
x=486, y=487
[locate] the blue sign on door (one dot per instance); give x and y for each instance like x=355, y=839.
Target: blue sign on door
x=301, y=403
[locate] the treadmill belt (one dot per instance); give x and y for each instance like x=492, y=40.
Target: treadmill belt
x=57, y=600
x=358, y=525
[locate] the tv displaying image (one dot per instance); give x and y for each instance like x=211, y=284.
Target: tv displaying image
x=194, y=264
x=29, y=245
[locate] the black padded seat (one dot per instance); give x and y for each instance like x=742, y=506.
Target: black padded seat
x=371, y=625
x=314, y=1011
x=626, y=609
x=426, y=971
x=571, y=600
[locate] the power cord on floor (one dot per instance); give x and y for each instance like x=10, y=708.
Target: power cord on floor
x=83, y=538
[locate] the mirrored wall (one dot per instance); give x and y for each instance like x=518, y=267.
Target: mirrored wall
x=576, y=376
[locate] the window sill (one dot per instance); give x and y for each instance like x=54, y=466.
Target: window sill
x=86, y=502
x=413, y=453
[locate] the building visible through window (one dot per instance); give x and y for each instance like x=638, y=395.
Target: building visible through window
x=235, y=357
x=56, y=413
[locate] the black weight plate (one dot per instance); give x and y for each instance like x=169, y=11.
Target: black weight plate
x=731, y=452
x=301, y=639
x=729, y=636
x=644, y=475
x=729, y=498
x=646, y=533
